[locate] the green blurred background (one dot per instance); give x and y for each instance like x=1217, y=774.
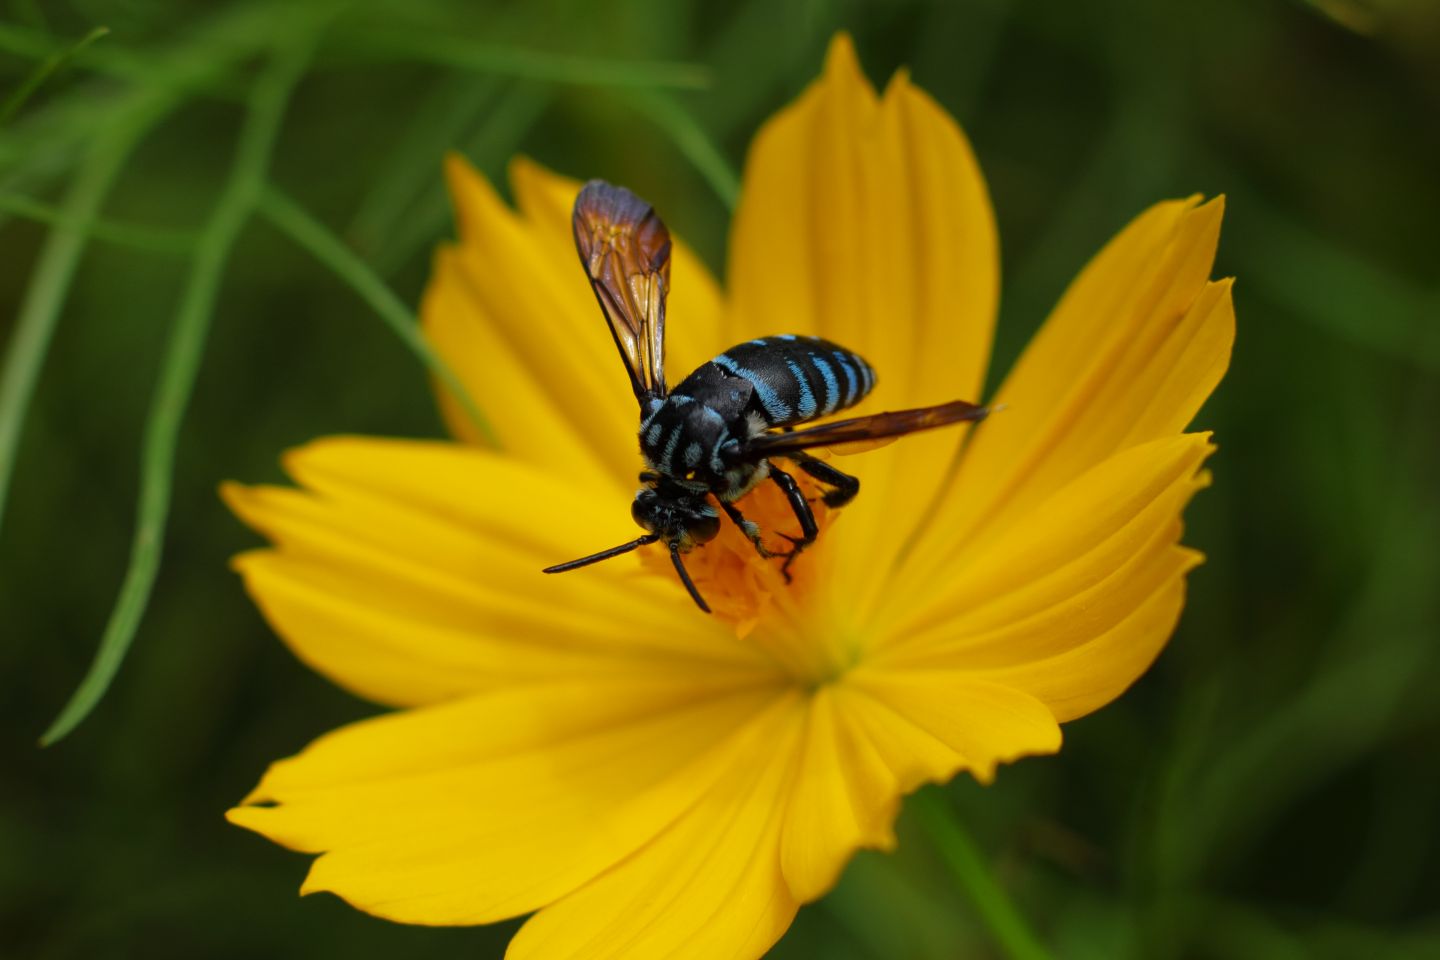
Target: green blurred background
x=1270, y=789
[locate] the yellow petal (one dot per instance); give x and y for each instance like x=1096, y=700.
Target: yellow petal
x=410, y=573
x=524, y=283
x=1084, y=678
x=529, y=415
x=510, y=308
x=1044, y=603
x=708, y=888
x=1134, y=347
x=844, y=798
x=929, y=724
x=499, y=804
x=865, y=219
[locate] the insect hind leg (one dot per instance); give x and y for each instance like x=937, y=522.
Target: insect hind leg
x=843, y=487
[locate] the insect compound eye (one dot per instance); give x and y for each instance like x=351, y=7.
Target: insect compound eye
x=703, y=527
x=643, y=510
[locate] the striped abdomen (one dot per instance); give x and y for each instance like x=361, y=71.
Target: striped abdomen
x=799, y=378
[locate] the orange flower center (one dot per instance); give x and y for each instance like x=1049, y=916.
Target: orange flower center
x=738, y=583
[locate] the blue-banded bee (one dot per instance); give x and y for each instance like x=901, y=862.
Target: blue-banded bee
x=716, y=435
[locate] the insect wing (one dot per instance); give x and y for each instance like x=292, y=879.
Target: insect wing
x=878, y=426
x=625, y=250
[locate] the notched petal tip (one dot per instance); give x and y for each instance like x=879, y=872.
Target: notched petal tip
x=292, y=460
x=243, y=562
x=524, y=168
x=237, y=498
x=475, y=203
x=527, y=175
x=342, y=452
x=1190, y=558
x=1047, y=744
x=544, y=197
x=1210, y=212
x=253, y=814
x=238, y=815
x=984, y=773
x=844, y=76
x=840, y=55
x=899, y=84
x=312, y=885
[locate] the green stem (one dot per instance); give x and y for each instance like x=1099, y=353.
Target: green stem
x=153, y=68
x=490, y=146
x=460, y=53
x=137, y=236
x=693, y=141
x=994, y=906
x=295, y=222
x=44, y=70
x=50, y=283
x=177, y=377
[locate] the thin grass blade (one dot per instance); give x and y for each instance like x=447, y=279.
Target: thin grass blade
x=177, y=378
x=681, y=126
x=305, y=230
x=490, y=147
x=993, y=905
x=136, y=236
x=43, y=71
x=50, y=283
x=459, y=53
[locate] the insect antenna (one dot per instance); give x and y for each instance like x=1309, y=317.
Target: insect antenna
x=606, y=555
x=685, y=577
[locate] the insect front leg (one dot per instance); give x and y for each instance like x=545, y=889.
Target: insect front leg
x=843, y=486
x=750, y=528
x=809, y=529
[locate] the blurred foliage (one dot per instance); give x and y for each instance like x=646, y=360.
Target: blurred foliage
x=1270, y=789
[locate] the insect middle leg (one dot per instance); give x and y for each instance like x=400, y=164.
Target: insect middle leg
x=750, y=528
x=809, y=529
x=843, y=487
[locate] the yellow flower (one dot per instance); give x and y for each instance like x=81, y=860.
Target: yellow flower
x=650, y=781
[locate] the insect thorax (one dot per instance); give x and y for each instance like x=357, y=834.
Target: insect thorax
x=694, y=435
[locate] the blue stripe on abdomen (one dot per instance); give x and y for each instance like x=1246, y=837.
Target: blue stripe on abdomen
x=776, y=409
x=832, y=383
x=852, y=380
x=806, y=406
x=867, y=375
x=799, y=378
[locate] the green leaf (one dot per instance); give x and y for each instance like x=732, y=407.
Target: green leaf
x=177, y=378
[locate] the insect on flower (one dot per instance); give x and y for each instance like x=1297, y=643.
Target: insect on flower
x=717, y=434
x=649, y=784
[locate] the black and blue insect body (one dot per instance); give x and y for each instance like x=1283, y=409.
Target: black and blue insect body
x=715, y=437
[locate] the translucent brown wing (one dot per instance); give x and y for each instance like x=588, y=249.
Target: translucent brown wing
x=877, y=426
x=625, y=250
